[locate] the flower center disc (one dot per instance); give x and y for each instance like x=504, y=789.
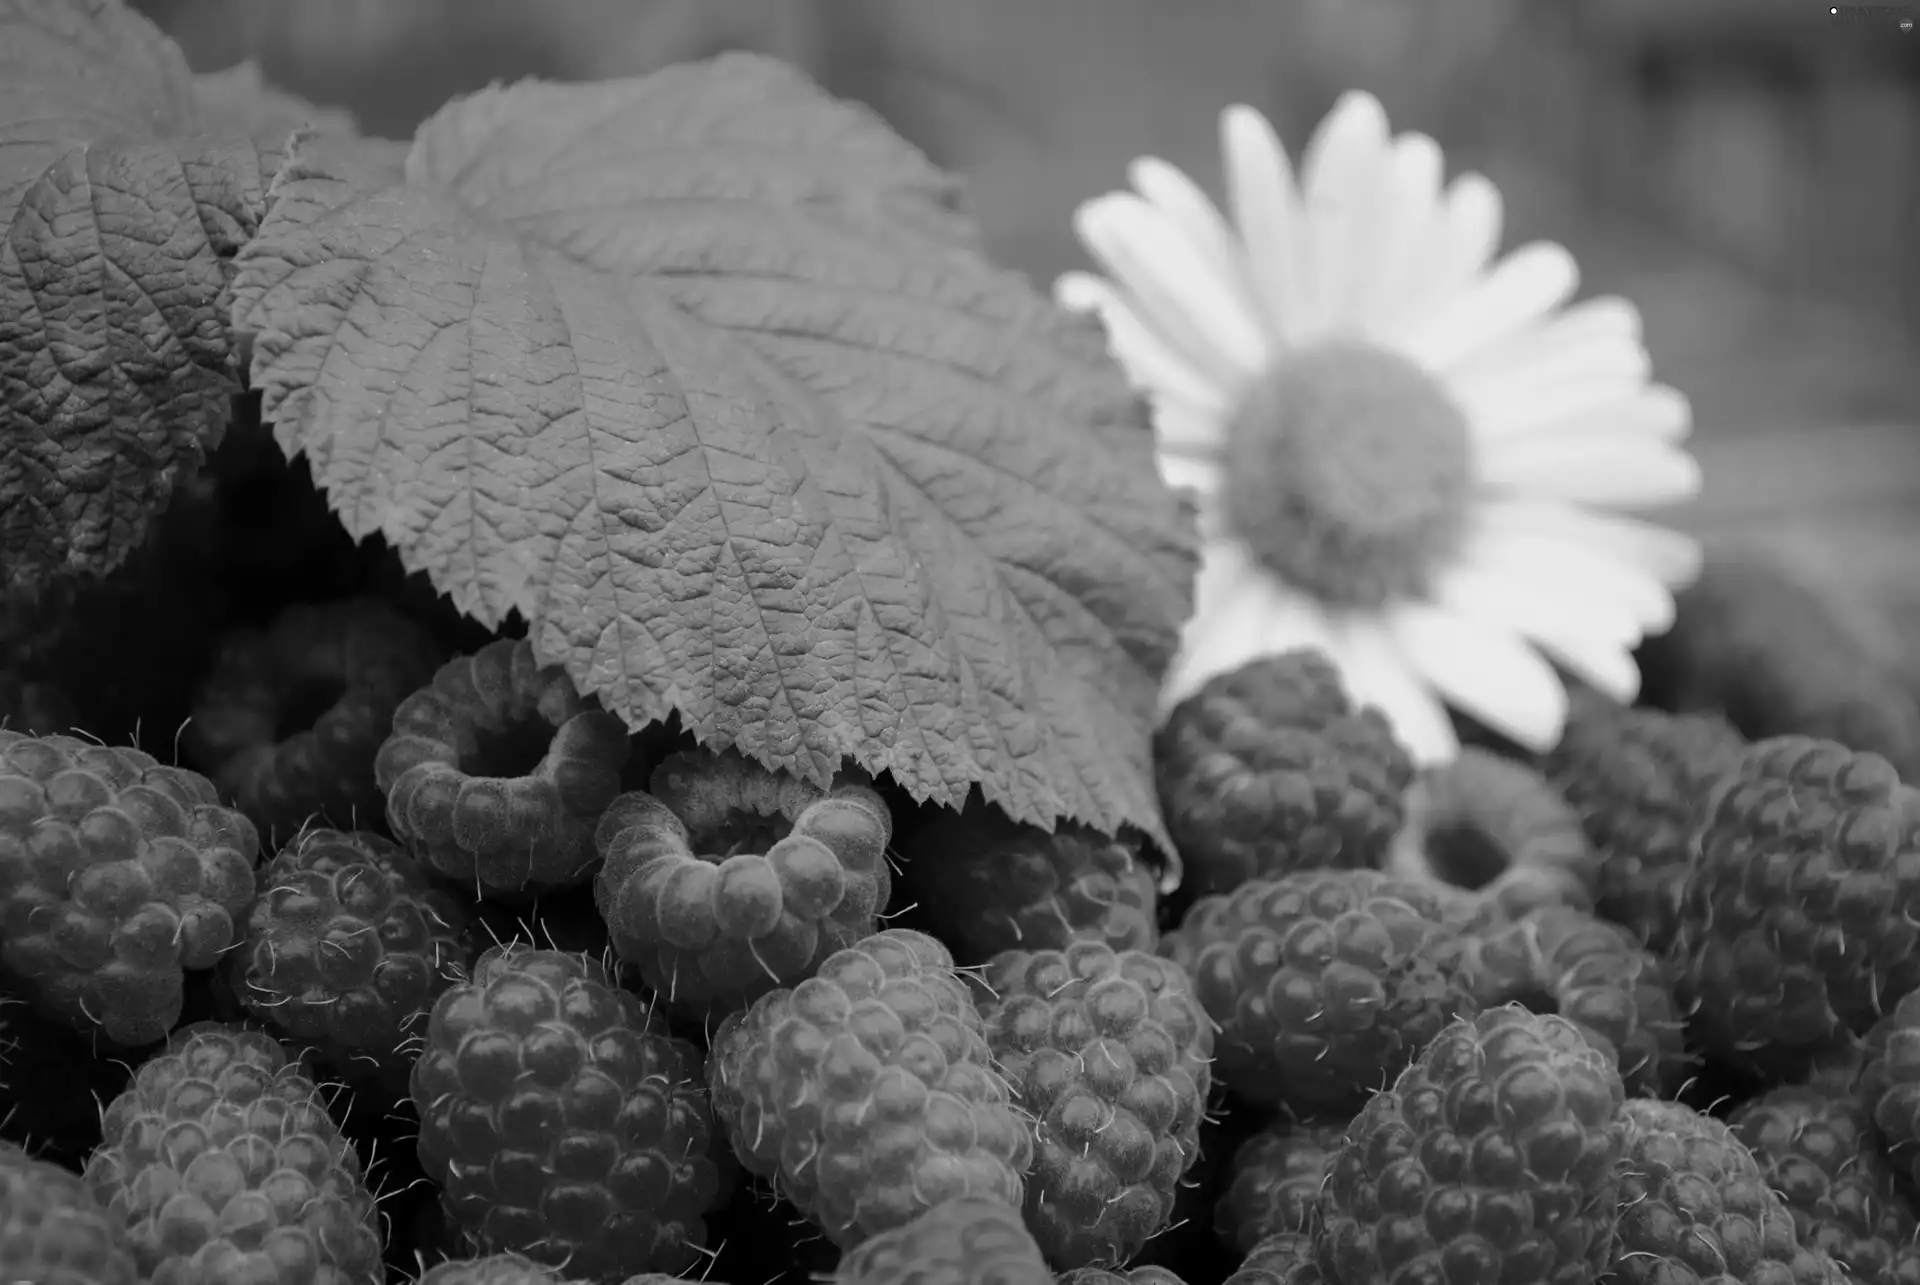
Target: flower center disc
x=1348, y=473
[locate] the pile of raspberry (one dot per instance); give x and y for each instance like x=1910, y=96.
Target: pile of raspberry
x=421, y=965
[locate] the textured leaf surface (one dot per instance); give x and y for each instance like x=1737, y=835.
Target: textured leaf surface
x=703, y=375
x=122, y=202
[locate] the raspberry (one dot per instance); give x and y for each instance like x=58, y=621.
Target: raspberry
x=562, y=1122
x=728, y=880
x=867, y=1093
x=1780, y=658
x=495, y=1269
x=497, y=772
x=221, y=1163
x=116, y=875
x=1499, y=830
x=1816, y=1148
x=1274, y=1182
x=989, y=884
x=1325, y=984
x=1639, y=780
x=1114, y=1276
x=1285, y=1258
x=966, y=1240
x=1596, y=975
x=52, y=1230
x=347, y=948
x=1108, y=1052
x=1270, y=768
x=289, y=718
x=1890, y=1082
x=1695, y=1208
x=1801, y=917
x=1494, y=1157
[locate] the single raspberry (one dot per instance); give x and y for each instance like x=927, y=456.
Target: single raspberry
x=1800, y=919
x=347, y=948
x=1639, y=780
x=494, y=1269
x=1596, y=975
x=1284, y=1258
x=289, y=718
x=727, y=880
x=1325, y=984
x=1270, y=768
x=1889, y=1082
x=1273, y=1183
x=965, y=1240
x=1756, y=641
x=562, y=1121
x=987, y=884
x=1695, y=1208
x=1817, y=1149
x=1116, y=1276
x=116, y=875
x=497, y=772
x=52, y=1230
x=1498, y=830
x=1108, y=1052
x=867, y=1093
x=1494, y=1157
x=221, y=1163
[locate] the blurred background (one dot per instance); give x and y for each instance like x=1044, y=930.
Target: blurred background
x=1747, y=171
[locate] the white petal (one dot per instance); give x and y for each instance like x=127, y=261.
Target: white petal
x=1341, y=176
x=1181, y=428
x=1177, y=291
x=1184, y=473
x=1179, y=198
x=1148, y=360
x=1669, y=557
x=1523, y=287
x=1486, y=670
x=1411, y=199
x=1542, y=556
x=1584, y=632
x=1377, y=673
x=1655, y=413
x=1267, y=211
x=1583, y=353
x=1459, y=245
x=1499, y=415
x=1239, y=613
x=1604, y=321
x=1613, y=469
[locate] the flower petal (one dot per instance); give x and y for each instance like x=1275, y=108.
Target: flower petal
x=1613, y=469
x=1544, y=557
x=1183, y=429
x=1183, y=473
x=1671, y=558
x=1587, y=634
x=1523, y=287
x=1378, y=673
x=1266, y=209
x=1167, y=188
x=1410, y=196
x=1148, y=360
x=1486, y=670
x=1656, y=413
x=1459, y=245
x=1176, y=290
x=1341, y=175
x=1239, y=613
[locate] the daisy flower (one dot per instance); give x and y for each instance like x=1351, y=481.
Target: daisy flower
x=1402, y=451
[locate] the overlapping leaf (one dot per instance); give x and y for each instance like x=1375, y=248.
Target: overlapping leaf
x=703, y=375
x=126, y=187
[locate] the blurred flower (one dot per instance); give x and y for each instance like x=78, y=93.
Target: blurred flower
x=1401, y=451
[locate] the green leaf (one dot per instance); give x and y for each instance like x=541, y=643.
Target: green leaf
x=122, y=204
x=704, y=376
